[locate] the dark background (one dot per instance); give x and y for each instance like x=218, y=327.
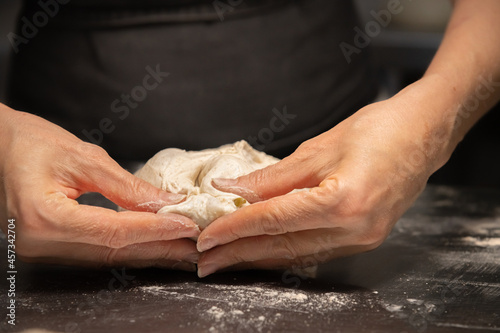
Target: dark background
x=402, y=52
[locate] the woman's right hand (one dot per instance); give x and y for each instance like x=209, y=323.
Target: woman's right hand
x=44, y=168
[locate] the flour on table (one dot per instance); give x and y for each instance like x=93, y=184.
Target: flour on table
x=191, y=173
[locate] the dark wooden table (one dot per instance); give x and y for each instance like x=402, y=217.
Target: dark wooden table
x=439, y=271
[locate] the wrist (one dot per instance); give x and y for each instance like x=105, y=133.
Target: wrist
x=431, y=108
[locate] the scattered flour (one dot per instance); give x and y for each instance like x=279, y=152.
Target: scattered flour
x=393, y=307
x=481, y=242
x=260, y=297
x=293, y=296
x=216, y=312
x=156, y=290
x=415, y=301
x=253, y=308
x=410, y=307
x=237, y=312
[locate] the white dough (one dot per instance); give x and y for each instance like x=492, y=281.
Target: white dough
x=191, y=173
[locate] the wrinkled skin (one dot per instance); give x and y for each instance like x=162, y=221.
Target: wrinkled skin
x=363, y=174
x=45, y=168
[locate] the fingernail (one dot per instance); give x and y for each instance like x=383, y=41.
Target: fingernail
x=172, y=198
x=206, y=244
x=223, y=182
x=229, y=185
x=206, y=270
x=192, y=257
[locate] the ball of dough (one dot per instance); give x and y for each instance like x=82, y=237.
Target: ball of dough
x=191, y=173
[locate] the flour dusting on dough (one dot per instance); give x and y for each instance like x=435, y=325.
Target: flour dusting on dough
x=191, y=173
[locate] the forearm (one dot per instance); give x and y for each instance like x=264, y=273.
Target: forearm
x=461, y=84
x=467, y=63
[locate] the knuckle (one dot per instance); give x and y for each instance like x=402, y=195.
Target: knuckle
x=302, y=156
x=354, y=205
x=351, y=209
x=345, y=199
x=111, y=257
x=326, y=202
x=91, y=151
x=237, y=257
x=374, y=235
x=307, y=147
x=114, y=238
x=284, y=248
x=273, y=221
x=234, y=232
x=254, y=178
x=140, y=187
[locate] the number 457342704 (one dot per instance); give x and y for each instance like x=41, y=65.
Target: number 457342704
x=11, y=247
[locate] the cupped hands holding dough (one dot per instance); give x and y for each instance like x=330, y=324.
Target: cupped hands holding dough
x=45, y=168
x=338, y=194
x=190, y=173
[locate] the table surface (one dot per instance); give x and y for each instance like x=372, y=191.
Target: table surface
x=439, y=271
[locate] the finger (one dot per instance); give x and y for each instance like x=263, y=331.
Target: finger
x=304, y=265
x=293, y=172
x=300, y=249
x=178, y=254
x=100, y=173
x=69, y=221
x=278, y=249
x=288, y=213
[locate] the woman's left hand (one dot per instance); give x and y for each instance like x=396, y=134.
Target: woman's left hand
x=361, y=177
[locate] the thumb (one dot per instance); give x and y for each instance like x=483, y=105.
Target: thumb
x=277, y=179
x=125, y=189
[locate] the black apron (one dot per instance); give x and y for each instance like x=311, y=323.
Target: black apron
x=136, y=79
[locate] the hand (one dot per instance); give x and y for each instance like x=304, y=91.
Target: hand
x=44, y=168
x=362, y=175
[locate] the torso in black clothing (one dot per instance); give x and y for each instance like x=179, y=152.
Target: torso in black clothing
x=270, y=72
